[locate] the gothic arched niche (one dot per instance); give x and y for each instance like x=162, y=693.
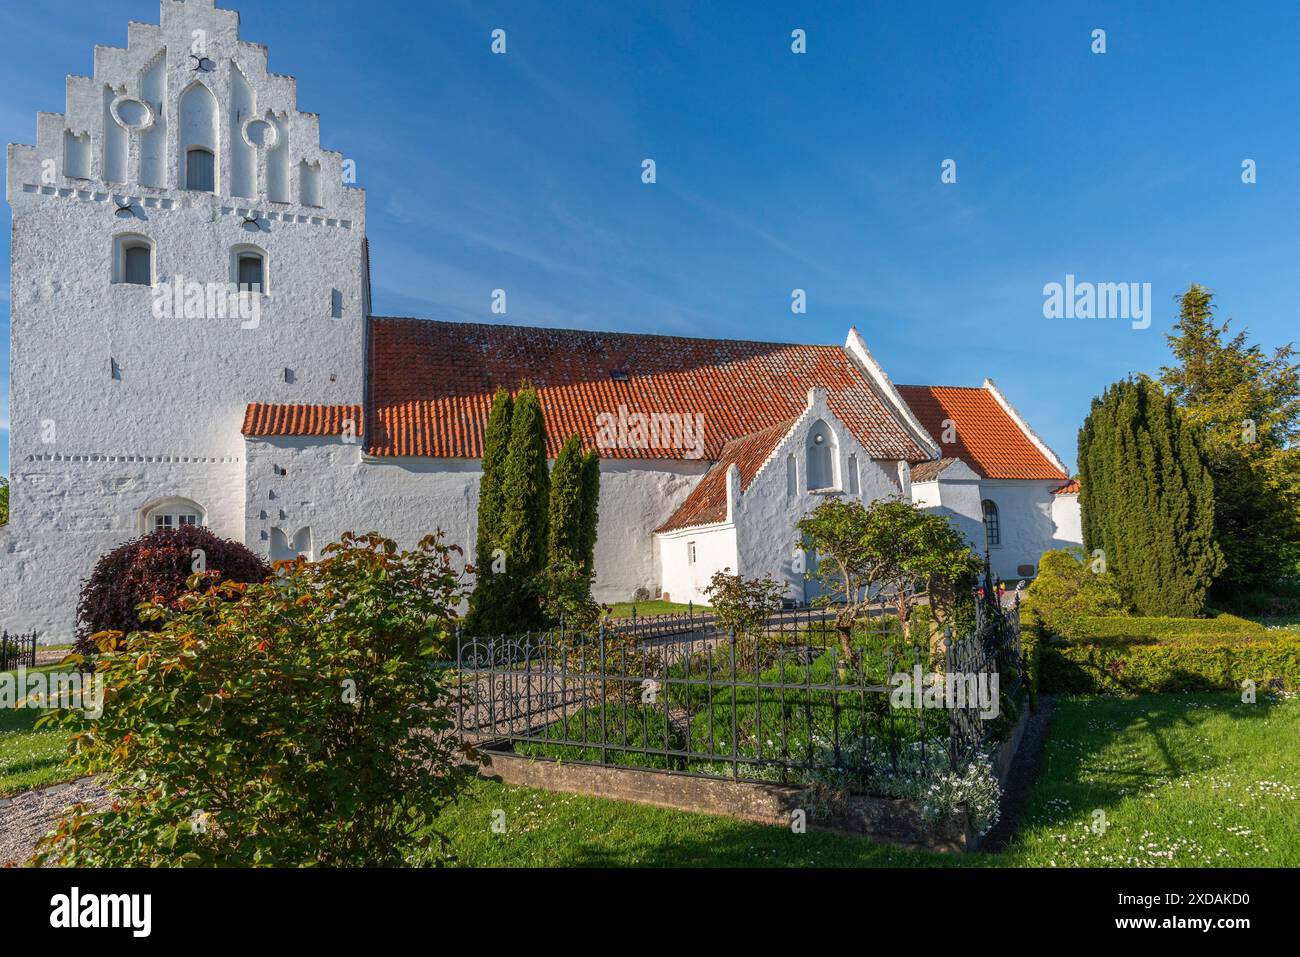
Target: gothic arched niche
x=821, y=456
x=200, y=133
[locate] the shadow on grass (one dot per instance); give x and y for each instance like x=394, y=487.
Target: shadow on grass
x=1086, y=728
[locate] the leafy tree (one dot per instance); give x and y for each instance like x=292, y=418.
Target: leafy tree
x=296, y=721
x=1148, y=500
x=890, y=546
x=743, y=606
x=156, y=568
x=1245, y=404
x=4, y=500
x=485, y=603
x=525, y=494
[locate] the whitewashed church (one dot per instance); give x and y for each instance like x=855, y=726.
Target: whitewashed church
x=192, y=343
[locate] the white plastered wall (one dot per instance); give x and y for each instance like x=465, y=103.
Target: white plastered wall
x=111, y=406
x=329, y=487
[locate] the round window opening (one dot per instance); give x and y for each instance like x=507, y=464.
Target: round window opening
x=131, y=114
x=260, y=134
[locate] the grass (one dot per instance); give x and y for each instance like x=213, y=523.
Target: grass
x=623, y=609
x=1182, y=780
x=30, y=758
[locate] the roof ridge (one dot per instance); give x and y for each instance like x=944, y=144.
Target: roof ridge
x=603, y=332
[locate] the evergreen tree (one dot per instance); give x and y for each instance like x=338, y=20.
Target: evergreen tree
x=566, y=529
x=525, y=494
x=1148, y=500
x=484, y=603
x=590, y=513
x=1246, y=406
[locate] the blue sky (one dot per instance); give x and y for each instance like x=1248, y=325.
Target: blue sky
x=778, y=171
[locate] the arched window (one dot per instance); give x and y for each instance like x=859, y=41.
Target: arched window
x=133, y=260
x=170, y=514
x=992, y=530
x=821, y=456
x=200, y=170
x=248, y=266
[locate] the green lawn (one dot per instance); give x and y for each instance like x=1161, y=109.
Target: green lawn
x=623, y=609
x=30, y=758
x=1183, y=780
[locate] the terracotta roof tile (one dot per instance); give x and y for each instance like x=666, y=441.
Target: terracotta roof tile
x=263, y=419
x=431, y=384
x=707, y=503
x=929, y=471
x=1069, y=488
x=986, y=437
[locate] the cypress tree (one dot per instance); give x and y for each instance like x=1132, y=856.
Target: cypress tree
x=484, y=603
x=1148, y=500
x=590, y=512
x=566, y=530
x=525, y=494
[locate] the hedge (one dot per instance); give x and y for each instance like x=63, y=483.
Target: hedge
x=1151, y=655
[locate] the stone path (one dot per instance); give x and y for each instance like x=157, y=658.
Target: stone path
x=27, y=817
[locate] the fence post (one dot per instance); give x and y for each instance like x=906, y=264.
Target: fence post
x=735, y=765
x=604, y=740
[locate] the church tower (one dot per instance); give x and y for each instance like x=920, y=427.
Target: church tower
x=182, y=246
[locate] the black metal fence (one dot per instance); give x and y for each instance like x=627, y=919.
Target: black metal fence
x=791, y=701
x=17, y=651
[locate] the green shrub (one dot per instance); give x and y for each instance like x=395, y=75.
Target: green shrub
x=1138, y=630
x=1068, y=587
x=1113, y=667
x=1138, y=655
x=297, y=721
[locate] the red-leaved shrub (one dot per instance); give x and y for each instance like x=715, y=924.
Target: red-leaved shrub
x=156, y=568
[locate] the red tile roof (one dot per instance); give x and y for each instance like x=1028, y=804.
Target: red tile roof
x=986, y=437
x=1069, y=488
x=930, y=471
x=262, y=419
x=431, y=384
x=707, y=503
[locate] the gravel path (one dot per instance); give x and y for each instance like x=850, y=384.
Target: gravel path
x=25, y=818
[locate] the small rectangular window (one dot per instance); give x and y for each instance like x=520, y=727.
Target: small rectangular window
x=137, y=266
x=250, y=272
x=690, y=553
x=200, y=171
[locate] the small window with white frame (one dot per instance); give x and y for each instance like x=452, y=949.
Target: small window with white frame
x=690, y=553
x=170, y=515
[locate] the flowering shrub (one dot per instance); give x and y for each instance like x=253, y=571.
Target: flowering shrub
x=296, y=721
x=941, y=791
